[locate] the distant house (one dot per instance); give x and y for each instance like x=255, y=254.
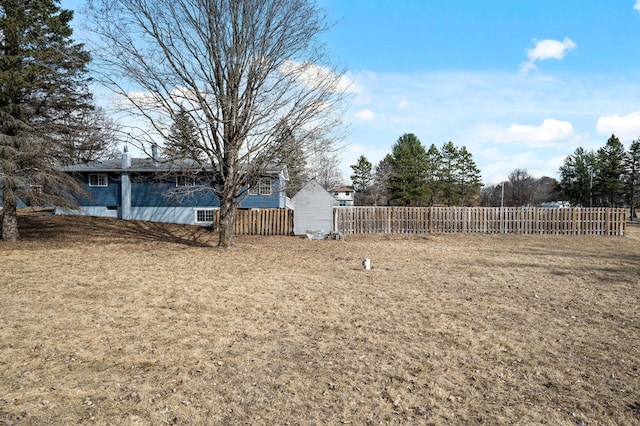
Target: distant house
x=313, y=207
x=152, y=190
x=344, y=195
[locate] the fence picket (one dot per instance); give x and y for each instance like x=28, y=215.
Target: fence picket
x=519, y=220
x=260, y=222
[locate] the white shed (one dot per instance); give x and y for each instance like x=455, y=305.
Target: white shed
x=313, y=209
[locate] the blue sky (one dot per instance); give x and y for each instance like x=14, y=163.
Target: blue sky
x=520, y=83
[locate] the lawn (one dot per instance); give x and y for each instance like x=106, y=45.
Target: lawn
x=108, y=322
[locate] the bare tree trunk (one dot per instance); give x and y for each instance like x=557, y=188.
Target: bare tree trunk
x=227, y=219
x=9, y=215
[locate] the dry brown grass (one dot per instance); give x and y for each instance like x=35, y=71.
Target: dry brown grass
x=110, y=322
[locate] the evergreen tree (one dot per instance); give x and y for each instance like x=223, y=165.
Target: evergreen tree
x=42, y=87
x=182, y=139
x=470, y=180
x=609, y=184
x=408, y=182
x=432, y=174
x=449, y=174
x=633, y=175
x=576, y=177
x=361, y=178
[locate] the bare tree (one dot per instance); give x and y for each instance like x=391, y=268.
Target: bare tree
x=381, y=182
x=90, y=136
x=491, y=195
x=239, y=68
x=521, y=188
x=291, y=155
x=323, y=163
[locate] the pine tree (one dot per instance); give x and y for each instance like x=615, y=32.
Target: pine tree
x=434, y=164
x=181, y=142
x=449, y=174
x=469, y=178
x=42, y=87
x=633, y=175
x=362, y=178
x=609, y=183
x=408, y=171
x=576, y=177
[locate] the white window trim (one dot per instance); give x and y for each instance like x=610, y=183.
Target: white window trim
x=98, y=179
x=212, y=211
x=189, y=181
x=261, y=186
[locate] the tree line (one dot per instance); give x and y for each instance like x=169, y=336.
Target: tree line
x=606, y=177
x=412, y=175
x=522, y=189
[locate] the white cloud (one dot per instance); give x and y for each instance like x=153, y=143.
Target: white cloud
x=313, y=75
x=637, y=5
x=477, y=110
x=547, y=49
x=404, y=104
x=625, y=127
x=144, y=99
x=349, y=83
x=365, y=114
x=550, y=49
x=550, y=133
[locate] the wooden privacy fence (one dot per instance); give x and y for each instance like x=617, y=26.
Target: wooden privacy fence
x=504, y=220
x=261, y=222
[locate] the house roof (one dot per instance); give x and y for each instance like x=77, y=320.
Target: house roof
x=151, y=165
x=137, y=165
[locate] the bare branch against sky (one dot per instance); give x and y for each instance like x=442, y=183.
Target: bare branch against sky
x=243, y=71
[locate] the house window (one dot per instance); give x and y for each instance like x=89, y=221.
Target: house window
x=263, y=187
x=205, y=215
x=185, y=181
x=98, y=179
x=36, y=190
x=347, y=193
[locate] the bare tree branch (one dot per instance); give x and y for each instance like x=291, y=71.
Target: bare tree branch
x=238, y=68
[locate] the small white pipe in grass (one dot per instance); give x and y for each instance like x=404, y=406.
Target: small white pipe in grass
x=366, y=263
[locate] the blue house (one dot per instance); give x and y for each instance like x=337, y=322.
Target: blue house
x=158, y=191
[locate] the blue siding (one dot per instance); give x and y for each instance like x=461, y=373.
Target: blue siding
x=261, y=201
x=165, y=194
x=149, y=193
x=102, y=195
